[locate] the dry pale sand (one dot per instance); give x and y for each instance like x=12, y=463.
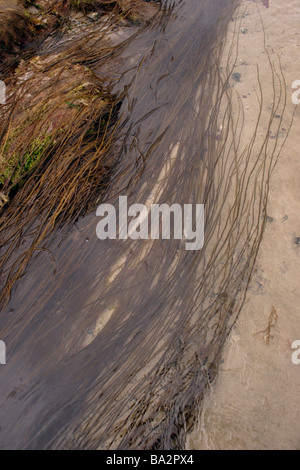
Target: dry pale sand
x=254, y=403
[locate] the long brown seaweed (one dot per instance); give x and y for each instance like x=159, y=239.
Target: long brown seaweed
x=119, y=340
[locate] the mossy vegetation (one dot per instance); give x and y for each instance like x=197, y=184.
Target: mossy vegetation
x=16, y=168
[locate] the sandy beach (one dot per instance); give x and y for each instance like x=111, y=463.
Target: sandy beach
x=254, y=402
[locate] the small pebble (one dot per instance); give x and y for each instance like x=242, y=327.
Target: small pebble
x=94, y=16
x=236, y=76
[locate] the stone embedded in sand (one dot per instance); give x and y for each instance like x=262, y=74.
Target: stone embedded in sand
x=236, y=76
x=297, y=241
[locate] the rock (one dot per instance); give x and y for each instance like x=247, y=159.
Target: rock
x=33, y=10
x=297, y=241
x=94, y=16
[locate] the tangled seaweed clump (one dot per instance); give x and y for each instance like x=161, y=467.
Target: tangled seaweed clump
x=22, y=21
x=43, y=9
x=50, y=103
x=57, y=126
x=47, y=95
x=55, y=129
